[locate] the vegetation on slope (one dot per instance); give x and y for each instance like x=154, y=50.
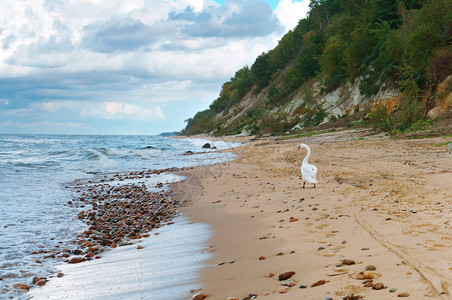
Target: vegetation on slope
x=404, y=42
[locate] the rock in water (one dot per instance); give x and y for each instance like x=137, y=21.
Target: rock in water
x=76, y=260
x=286, y=275
x=20, y=286
x=206, y=145
x=199, y=296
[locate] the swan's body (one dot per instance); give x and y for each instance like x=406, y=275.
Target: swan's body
x=308, y=171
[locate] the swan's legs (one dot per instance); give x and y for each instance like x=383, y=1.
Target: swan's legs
x=304, y=183
x=314, y=185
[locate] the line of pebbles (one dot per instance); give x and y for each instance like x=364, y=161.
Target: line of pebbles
x=116, y=215
x=288, y=282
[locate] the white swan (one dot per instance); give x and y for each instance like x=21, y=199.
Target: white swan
x=308, y=171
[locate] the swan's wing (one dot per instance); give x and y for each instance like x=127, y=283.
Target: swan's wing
x=309, y=173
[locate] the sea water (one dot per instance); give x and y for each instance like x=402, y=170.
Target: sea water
x=37, y=171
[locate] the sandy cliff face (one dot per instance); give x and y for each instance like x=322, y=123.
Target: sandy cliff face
x=443, y=99
x=346, y=99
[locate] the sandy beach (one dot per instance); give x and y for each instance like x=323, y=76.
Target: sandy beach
x=382, y=205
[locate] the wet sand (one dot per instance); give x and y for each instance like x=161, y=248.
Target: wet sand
x=380, y=202
x=167, y=267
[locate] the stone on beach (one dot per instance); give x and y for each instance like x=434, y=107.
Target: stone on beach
x=286, y=275
x=320, y=282
x=289, y=283
x=348, y=262
x=370, y=268
x=378, y=286
x=403, y=295
x=199, y=296
x=352, y=297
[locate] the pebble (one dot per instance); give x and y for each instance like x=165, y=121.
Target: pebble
x=221, y=263
x=352, y=297
x=286, y=275
x=233, y=298
x=321, y=248
x=378, y=286
x=370, y=268
x=360, y=276
x=261, y=257
x=327, y=298
x=140, y=247
x=403, y=295
x=269, y=275
x=40, y=282
x=232, y=261
x=348, y=262
x=252, y=295
x=20, y=286
x=392, y=290
x=303, y=286
x=199, y=296
x=365, y=248
x=320, y=282
x=387, y=219
x=75, y=260
x=368, y=275
x=289, y=283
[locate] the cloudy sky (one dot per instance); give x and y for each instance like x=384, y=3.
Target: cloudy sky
x=126, y=67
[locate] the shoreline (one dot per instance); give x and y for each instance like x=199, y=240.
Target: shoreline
x=139, y=273
x=382, y=203
x=118, y=210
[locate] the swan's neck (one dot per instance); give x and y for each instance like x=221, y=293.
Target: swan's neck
x=308, y=154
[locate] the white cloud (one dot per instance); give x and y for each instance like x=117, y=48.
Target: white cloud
x=107, y=110
x=42, y=123
x=289, y=12
x=4, y=101
x=115, y=110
